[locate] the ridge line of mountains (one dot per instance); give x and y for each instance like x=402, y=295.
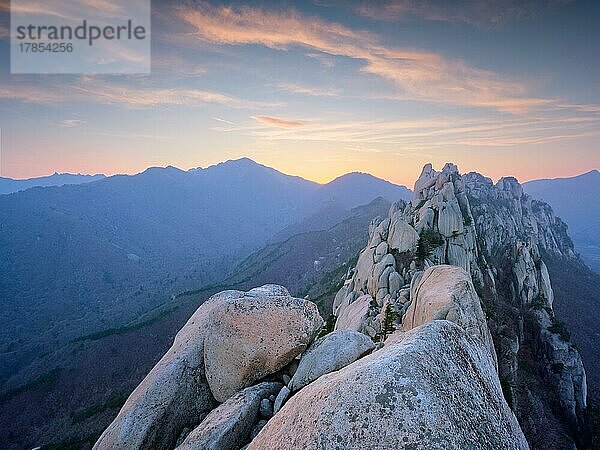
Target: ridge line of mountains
x=87, y=269
x=572, y=198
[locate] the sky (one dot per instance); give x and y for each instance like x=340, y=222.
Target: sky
x=324, y=87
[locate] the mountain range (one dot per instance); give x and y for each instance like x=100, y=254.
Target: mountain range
x=10, y=185
x=97, y=278
x=576, y=201
x=78, y=259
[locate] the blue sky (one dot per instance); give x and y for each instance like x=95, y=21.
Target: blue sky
x=321, y=88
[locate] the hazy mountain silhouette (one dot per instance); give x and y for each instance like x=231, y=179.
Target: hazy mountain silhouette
x=358, y=188
x=78, y=259
x=10, y=185
x=576, y=201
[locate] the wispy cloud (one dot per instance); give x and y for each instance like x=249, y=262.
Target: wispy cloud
x=136, y=136
x=104, y=5
x=324, y=59
x=419, y=75
x=480, y=13
x=4, y=32
x=71, y=123
x=219, y=119
x=426, y=134
x=74, y=9
x=278, y=122
x=97, y=90
x=306, y=90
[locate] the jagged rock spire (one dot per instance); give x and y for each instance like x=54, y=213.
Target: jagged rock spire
x=497, y=234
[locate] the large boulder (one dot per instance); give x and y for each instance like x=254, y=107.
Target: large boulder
x=174, y=395
x=228, y=427
x=255, y=335
x=328, y=354
x=402, y=236
x=447, y=292
x=352, y=317
x=432, y=387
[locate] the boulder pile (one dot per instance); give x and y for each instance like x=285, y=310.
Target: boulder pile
x=248, y=371
x=449, y=303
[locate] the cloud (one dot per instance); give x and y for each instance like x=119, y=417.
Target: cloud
x=70, y=123
x=97, y=90
x=306, y=90
x=219, y=119
x=417, y=75
x=156, y=96
x=322, y=58
x=280, y=123
x=104, y=5
x=4, y=32
x=174, y=65
x=76, y=10
x=484, y=14
x=436, y=133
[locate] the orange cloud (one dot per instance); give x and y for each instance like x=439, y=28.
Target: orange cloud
x=279, y=122
x=428, y=134
x=418, y=75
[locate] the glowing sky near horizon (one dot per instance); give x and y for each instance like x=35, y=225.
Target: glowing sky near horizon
x=321, y=88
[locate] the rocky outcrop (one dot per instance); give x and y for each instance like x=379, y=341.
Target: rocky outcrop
x=253, y=336
x=234, y=339
x=446, y=292
x=450, y=300
x=173, y=395
x=353, y=316
x=328, y=354
x=498, y=235
x=432, y=387
x=228, y=427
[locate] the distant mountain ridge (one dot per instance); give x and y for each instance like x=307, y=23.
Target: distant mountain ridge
x=358, y=188
x=10, y=185
x=77, y=259
x=575, y=200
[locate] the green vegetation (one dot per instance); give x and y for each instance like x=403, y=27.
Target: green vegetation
x=507, y=390
x=467, y=221
x=334, y=280
x=329, y=326
x=45, y=380
x=387, y=327
x=73, y=443
x=126, y=328
x=593, y=419
x=560, y=328
x=113, y=401
x=539, y=304
x=428, y=241
x=402, y=259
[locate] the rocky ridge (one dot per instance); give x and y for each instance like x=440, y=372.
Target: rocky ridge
x=448, y=305
x=497, y=234
x=288, y=390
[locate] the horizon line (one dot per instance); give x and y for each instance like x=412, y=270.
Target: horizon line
x=241, y=158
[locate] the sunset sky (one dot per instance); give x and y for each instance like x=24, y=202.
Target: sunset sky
x=324, y=87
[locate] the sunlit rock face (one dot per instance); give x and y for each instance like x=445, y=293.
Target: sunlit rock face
x=432, y=387
x=232, y=340
x=498, y=236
